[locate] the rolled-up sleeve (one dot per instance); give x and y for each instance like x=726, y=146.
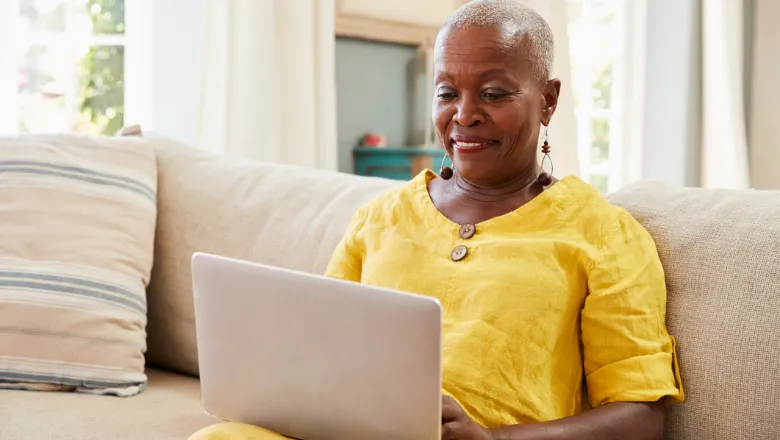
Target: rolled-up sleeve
x=346, y=263
x=629, y=356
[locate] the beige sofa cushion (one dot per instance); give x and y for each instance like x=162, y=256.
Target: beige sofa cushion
x=77, y=215
x=282, y=216
x=721, y=253
x=169, y=409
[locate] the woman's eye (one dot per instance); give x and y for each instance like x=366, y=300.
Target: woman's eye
x=446, y=96
x=492, y=96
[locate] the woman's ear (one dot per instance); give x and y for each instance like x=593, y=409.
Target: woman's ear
x=550, y=92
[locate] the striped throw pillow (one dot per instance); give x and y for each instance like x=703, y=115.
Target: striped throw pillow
x=78, y=219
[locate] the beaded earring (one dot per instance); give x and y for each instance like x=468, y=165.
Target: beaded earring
x=445, y=172
x=545, y=179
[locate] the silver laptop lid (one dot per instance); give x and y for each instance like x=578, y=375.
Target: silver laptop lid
x=315, y=358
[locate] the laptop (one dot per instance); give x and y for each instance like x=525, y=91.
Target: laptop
x=315, y=358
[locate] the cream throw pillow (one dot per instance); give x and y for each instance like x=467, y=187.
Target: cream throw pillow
x=77, y=216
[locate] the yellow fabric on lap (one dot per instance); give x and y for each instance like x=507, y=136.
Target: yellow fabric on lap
x=235, y=431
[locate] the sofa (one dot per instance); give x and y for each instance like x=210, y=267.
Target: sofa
x=720, y=250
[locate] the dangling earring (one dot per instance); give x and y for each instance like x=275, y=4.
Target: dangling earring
x=544, y=178
x=444, y=171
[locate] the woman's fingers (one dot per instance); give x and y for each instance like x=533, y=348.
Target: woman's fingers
x=450, y=431
x=450, y=410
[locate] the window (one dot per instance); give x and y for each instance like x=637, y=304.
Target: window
x=598, y=42
x=70, y=56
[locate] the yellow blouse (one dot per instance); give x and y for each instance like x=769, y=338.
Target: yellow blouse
x=566, y=283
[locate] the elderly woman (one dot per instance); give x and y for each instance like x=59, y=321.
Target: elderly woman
x=542, y=281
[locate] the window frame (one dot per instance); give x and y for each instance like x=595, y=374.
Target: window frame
x=9, y=71
x=624, y=113
x=137, y=41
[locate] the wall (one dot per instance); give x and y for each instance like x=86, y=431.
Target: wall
x=765, y=130
x=375, y=84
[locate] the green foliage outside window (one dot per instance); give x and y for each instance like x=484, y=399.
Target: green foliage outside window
x=102, y=73
x=602, y=88
x=599, y=151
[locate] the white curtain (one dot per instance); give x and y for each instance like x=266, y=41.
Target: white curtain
x=765, y=108
x=269, y=88
x=724, y=152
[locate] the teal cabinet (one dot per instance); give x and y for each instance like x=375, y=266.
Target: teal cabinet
x=396, y=163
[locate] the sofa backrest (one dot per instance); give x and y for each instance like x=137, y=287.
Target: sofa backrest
x=282, y=216
x=721, y=255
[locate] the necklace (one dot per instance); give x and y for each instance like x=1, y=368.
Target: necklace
x=479, y=196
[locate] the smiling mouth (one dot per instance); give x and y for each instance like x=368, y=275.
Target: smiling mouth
x=472, y=146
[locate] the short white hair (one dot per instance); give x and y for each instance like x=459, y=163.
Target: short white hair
x=517, y=18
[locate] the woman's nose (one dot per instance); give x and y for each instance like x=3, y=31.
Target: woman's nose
x=469, y=113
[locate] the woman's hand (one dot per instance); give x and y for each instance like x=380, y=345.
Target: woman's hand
x=457, y=425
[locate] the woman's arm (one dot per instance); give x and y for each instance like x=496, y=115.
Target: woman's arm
x=614, y=421
x=346, y=263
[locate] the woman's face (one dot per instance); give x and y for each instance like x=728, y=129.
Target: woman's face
x=488, y=106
